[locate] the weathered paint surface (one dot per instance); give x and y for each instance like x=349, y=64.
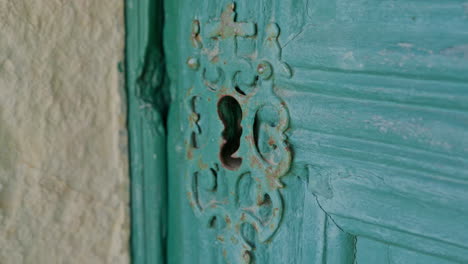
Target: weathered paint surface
x=237, y=156
x=378, y=126
x=147, y=101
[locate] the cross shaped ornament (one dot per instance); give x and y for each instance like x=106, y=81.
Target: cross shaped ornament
x=228, y=27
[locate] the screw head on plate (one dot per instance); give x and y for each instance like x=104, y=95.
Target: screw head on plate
x=264, y=70
x=193, y=63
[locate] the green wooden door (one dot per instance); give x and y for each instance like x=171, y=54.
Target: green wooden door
x=317, y=131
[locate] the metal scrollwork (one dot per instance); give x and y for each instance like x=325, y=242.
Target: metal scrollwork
x=236, y=145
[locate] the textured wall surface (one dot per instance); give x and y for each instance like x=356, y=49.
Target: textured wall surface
x=63, y=162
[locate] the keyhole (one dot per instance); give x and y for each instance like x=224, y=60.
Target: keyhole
x=230, y=113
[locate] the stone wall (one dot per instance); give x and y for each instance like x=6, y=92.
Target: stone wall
x=64, y=190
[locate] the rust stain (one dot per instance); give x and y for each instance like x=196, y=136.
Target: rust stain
x=192, y=203
x=196, y=40
x=202, y=165
x=194, y=117
x=255, y=162
x=272, y=176
x=190, y=153
x=222, y=93
x=195, y=36
x=215, y=59
x=259, y=198
x=234, y=240
x=271, y=141
x=189, y=91
x=255, y=227
x=246, y=256
x=275, y=211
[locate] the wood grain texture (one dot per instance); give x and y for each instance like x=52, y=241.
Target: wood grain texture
x=381, y=112
x=379, y=130
x=147, y=99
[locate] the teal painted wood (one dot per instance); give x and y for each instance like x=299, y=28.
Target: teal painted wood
x=147, y=102
x=196, y=127
x=387, y=129
x=378, y=128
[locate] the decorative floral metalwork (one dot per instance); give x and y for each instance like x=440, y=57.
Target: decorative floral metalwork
x=236, y=145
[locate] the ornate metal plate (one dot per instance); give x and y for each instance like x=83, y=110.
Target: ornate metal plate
x=236, y=143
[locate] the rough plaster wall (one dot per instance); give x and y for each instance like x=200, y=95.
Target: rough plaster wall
x=63, y=162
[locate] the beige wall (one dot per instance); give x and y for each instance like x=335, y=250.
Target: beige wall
x=63, y=151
